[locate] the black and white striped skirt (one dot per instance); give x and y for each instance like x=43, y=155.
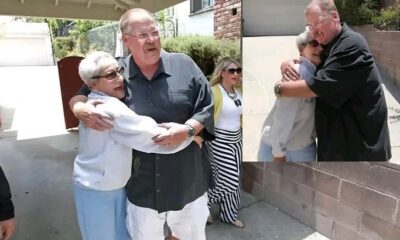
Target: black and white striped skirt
x=226, y=156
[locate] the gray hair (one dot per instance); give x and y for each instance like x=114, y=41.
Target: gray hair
x=326, y=6
x=94, y=64
x=303, y=38
x=125, y=20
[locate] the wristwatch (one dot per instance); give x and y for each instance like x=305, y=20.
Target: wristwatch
x=278, y=89
x=191, y=131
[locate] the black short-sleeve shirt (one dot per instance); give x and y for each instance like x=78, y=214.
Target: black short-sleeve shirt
x=178, y=91
x=6, y=205
x=351, y=111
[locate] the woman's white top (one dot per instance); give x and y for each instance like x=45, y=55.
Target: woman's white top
x=229, y=117
x=104, y=159
x=290, y=124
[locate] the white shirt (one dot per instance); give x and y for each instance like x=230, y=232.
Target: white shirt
x=290, y=124
x=229, y=117
x=104, y=159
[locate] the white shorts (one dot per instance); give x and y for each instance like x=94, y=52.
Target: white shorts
x=186, y=224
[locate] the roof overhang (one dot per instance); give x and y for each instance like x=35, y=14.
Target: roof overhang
x=80, y=9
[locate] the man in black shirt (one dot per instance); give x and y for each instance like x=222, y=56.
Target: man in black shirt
x=351, y=112
x=170, y=88
x=7, y=220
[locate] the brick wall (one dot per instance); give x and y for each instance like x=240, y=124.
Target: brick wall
x=227, y=19
x=385, y=46
x=343, y=201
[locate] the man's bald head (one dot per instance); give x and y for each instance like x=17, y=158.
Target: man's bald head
x=132, y=15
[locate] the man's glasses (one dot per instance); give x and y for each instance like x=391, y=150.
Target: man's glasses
x=319, y=23
x=145, y=35
x=111, y=75
x=313, y=43
x=233, y=70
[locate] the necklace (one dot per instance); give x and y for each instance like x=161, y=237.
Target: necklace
x=232, y=96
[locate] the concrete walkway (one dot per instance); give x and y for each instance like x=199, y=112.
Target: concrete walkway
x=262, y=57
x=39, y=171
x=37, y=156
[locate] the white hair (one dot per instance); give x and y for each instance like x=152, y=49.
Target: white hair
x=94, y=64
x=303, y=38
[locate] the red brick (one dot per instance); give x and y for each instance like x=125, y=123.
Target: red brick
x=338, y=211
x=272, y=180
x=372, y=202
x=275, y=167
x=327, y=184
x=353, y=171
x=385, y=179
x=376, y=229
x=252, y=172
x=340, y=232
x=297, y=192
x=253, y=188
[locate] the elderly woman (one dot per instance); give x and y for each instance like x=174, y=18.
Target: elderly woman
x=103, y=164
x=288, y=132
x=226, y=149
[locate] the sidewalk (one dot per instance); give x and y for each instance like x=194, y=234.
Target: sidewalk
x=262, y=57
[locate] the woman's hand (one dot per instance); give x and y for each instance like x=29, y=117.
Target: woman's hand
x=288, y=71
x=199, y=140
x=279, y=159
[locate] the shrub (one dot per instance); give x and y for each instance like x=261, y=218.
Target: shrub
x=62, y=46
x=357, y=12
x=389, y=19
x=204, y=50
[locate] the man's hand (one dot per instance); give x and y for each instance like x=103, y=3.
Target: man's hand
x=288, y=71
x=1, y=121
x=7, y=228
x=279, y=159
x=86, y=112
x=176, y=134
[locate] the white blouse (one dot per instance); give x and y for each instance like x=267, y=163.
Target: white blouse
x=104, y=159
x=229, y=117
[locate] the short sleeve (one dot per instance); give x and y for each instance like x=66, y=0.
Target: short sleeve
x=203, y=110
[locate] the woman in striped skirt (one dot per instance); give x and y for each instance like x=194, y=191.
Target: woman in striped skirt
x=226, y=149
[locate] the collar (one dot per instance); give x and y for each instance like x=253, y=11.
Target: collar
x=134, y=70
x=308, y=64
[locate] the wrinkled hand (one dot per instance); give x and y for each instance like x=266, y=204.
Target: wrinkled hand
x=199, y=140
x=288, y=71
x=279, y=159
x=7, y=228
x=87, y=113
x=176, y=133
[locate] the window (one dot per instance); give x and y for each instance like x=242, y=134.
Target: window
x=197, y=5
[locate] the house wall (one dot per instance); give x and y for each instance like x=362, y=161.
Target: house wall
x=201, y=23
x=227, y=19
x=273, y=17
x=25, y=44
x=384, y=46
x=343, y=201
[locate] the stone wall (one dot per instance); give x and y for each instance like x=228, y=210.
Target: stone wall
x=385, y=46
x=227, y=19
x=343, y=201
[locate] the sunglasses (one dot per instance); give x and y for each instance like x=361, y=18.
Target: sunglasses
x=313, y=43
x=237, y=102
x=111, y=75
x=233, y=70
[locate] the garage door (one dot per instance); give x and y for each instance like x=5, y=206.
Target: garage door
x=273, y=17
x=25, y=44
